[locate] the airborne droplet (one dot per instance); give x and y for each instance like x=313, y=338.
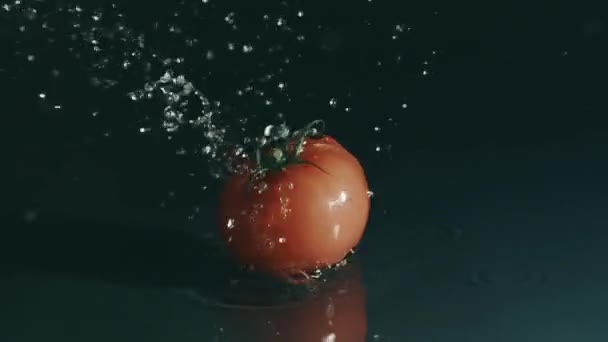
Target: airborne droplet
x=333, y=102
x=30, y=13
x=262, y=186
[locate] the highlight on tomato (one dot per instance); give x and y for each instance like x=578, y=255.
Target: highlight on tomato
x=299, y=206
x=334, y=311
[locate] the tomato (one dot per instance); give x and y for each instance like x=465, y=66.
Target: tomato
x=304, y=213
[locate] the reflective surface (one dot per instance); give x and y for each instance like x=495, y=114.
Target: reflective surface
x=463, y=259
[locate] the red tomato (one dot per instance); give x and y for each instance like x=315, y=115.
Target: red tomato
x=299, y=217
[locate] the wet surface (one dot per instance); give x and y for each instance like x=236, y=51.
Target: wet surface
x=456, y=258
x=483, y=141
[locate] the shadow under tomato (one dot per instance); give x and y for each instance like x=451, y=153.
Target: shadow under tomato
x=330, y=310
x=113, y=253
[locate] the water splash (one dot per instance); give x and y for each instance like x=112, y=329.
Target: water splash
x=213, y=98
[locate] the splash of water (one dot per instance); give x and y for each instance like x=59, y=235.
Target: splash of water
x=168, y=66
x=120, y=57
x=179, y=96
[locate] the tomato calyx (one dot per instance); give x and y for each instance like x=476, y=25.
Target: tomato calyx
x=281, y=154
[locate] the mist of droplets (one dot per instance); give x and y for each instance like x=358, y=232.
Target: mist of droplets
x=167, y=67
x=177, y=94
x=116, y=53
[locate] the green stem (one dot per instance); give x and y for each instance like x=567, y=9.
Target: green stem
x=278, y=155
x=282, y=155
x=308, y=131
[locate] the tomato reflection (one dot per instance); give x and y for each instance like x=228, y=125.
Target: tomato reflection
x=333, y=311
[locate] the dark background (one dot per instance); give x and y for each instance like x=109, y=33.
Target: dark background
x=490, y=190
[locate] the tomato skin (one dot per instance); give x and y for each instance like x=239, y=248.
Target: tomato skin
x=299, y=219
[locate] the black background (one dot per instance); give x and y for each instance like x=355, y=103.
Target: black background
x=489, y=211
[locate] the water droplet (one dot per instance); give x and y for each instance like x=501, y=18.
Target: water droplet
x=30, y=13
x=377, y=129
x=268, y=130
x=229, y=18
x=282, y=240
x=370, y=193
x=331, y=337
x=297, y=276
x=270, y=244
x=230, y=224
x=247, y=48
x=281, y=22
x=42, y=95
x=300, y=14
x=333, y=102
x=262, y=186
x=378, y=148
x=404, y=105
x=57, y=106
x=316, y=274
x=31, y=58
